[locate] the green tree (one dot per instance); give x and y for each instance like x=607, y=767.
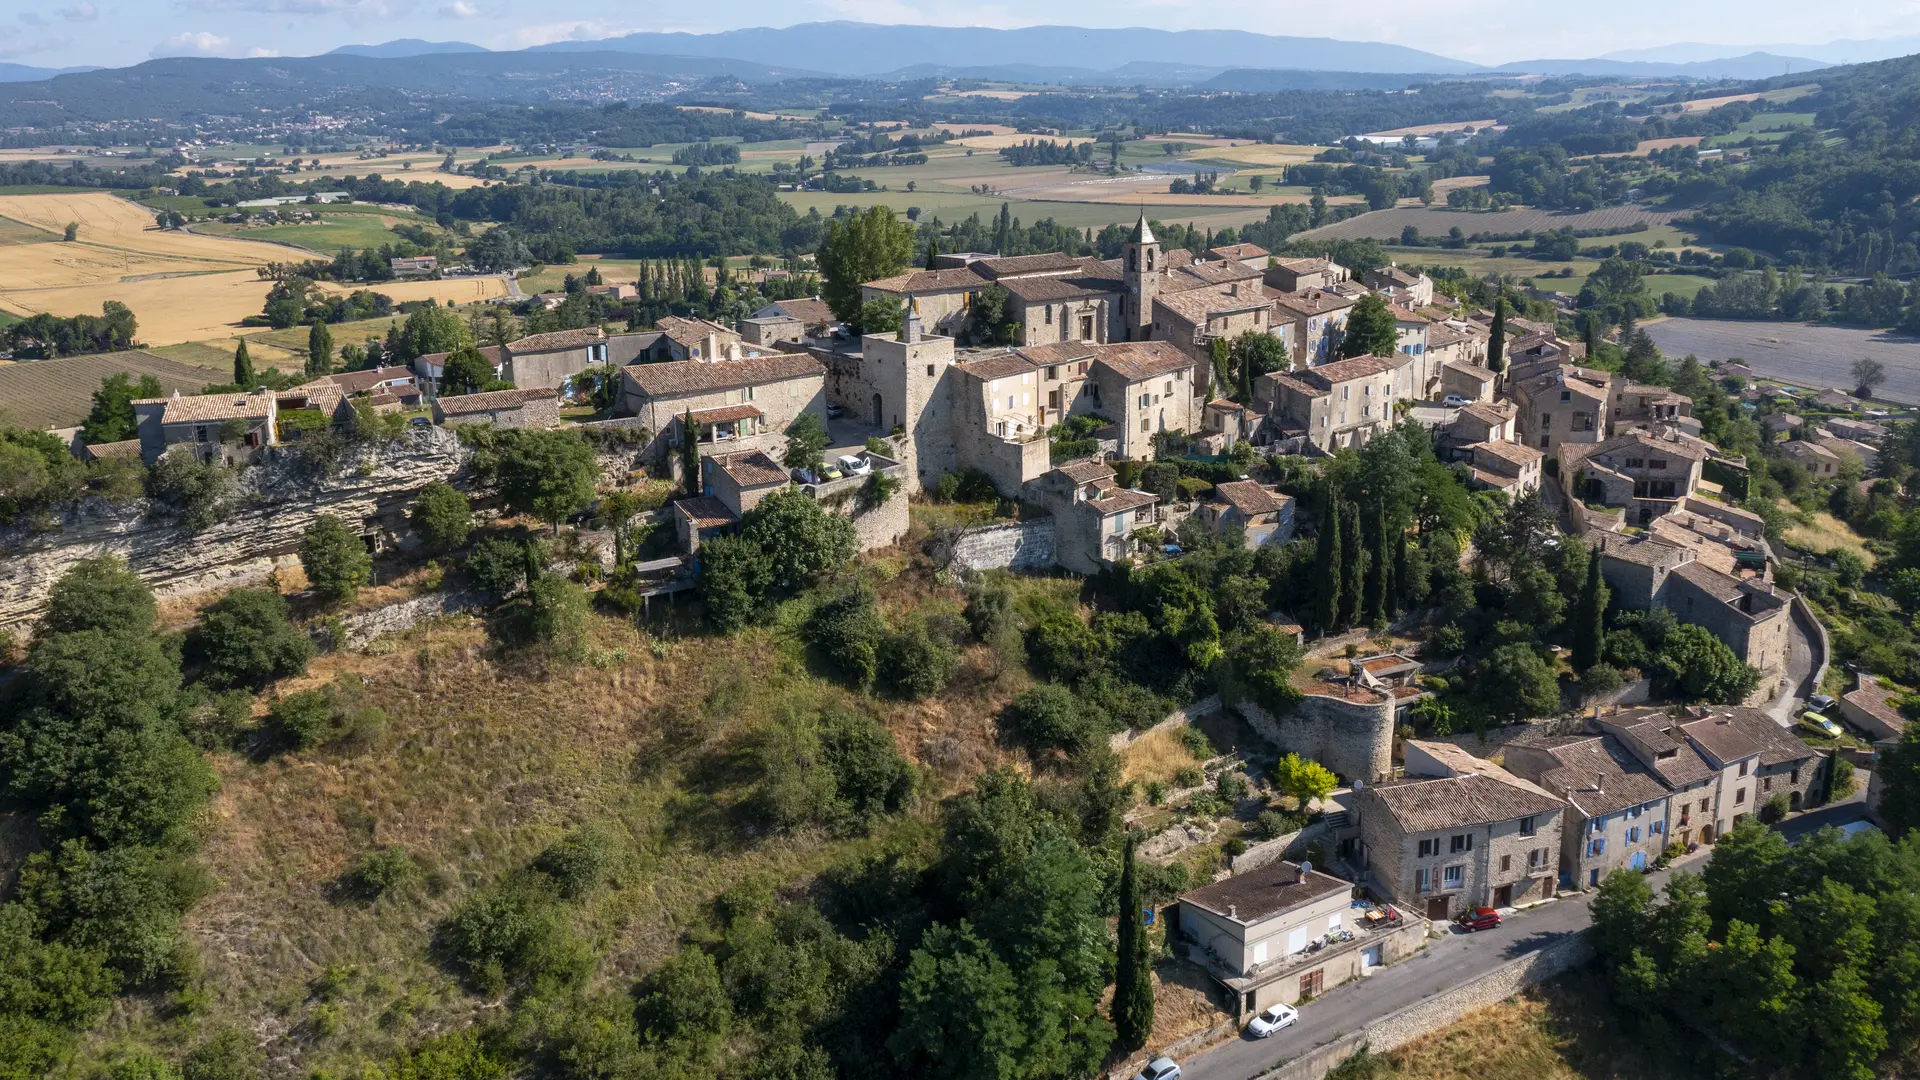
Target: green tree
x=615, y=514
x=336, y=561
x=806, y=442
x=1050, y=716
x=1353, y=555
x=1898, y=770
x=319, y=349
x=1220, y=354
x=1515, y=684
x=111, y=418
x=1304, y=778
x=1843, y=1022
x=548, y=474
x=1589, y=621
x=802, y=541
x=1379, y=566
x=867, y=246
x=735, y=573
x=465, y=371
x=690, y=478
x=1497, y=337
x=960, y=1010
x=557, y=612
x=1327, y=551
x=1256, y=354
x=880, y=315
x=247, y=640
x=441, y=517
x=431, y=329
x=683, y=1009
x=243, y=376
x=1696, y=666
x=1371, y=329
x=1133, y=982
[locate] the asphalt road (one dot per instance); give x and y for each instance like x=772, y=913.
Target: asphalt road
x=1800, y=642
x=1797, y=354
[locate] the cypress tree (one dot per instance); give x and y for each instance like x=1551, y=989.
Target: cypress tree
x=1397, y=597
x=1327, y=559
x=1220, y=351
x=1246, y=381
x=1133, y=981
x=1375, y=592
x=1353, y=556
x=1497, y=337
x=1593, y=336
x=690, y=456
x=1589, y=628
x=243, y=368
x=319, y=349
x=933, y=250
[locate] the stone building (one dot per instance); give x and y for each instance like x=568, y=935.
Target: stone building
x=231, y=429
x=1458, y=833
x=1745, y=610
x=732, y=405
x=682, y=339
x=548, y=361
x=1648, y=472
x=1635, y=404
x=1094, y=517
x=1329, y=407
x=1470, y=381
x=1507, y=467
x=1409, y=288
x=535, y=408
x=1299, y=275
x=1617, y=808
x=1560, y=404
x=1312, y=322
x=1869, y=707
x=1264, y=514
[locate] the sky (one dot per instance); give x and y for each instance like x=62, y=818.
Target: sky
x=113, y=33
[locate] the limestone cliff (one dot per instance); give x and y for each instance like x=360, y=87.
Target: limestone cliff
x=370, y=488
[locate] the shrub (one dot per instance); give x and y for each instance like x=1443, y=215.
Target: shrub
x=1230, y=786
x=989, y=612
x=1774, y=810
x=1188, y=777
x=227, y=1054
x=1448, y=640
x=441, y=517
x=1050, y=716
x=1233, y=847
x=966, y=486
x=502, y=933
x=848, y=632
x=316, y=718
x=381, y=870
x=336, y=561
x=918, y=663
x=1272, y=824
x=248, y=639
x=1155, y=793
x=1601, y=679
x=200, y=493
x=577, y=863
x=499, y=565
x=557, y=614
x=1196, y=742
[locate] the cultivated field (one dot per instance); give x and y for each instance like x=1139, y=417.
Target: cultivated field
x=59, y=393
x=450, y=291
x=1388, y=224
x=1797, y=353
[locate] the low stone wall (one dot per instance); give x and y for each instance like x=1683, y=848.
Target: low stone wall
x=1424, y=1017
x=1024, y=545
x=359, y=630
x=1354, y=739
x=1206, y=706
x=1293, y=846
x=1822, y=647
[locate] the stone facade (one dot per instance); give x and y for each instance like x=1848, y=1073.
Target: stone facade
x=1026, y=545
x=1354, y=738
x=736, y=405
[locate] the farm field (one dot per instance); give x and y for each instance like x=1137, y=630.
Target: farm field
x=1387, y=224
x=59, y=393
x=326, y=236
x=450, y=291
x=1478, y=264
x=1801, y=354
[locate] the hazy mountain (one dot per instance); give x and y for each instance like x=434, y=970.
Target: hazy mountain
x=23, y=73
x=850, y=48
x=1268, y=81
x=1833, y=52
x=1137, y=73
x=1753, y=65
x=402, y=47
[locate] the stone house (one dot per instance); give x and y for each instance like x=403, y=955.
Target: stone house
x=1863, y=431
x=1734, y=754
x=1480, y=422
x=535, y=408
x=1252, y=256
x=740, y=480
x=1094, y=518
x=1820, y=462
x=1560, y=404
x=733, y=405
x=1457, y=833
x=1507, y=467
x=682, y=339
x=1634, y=403
x=1617, y=808
x=549, y=361
x=1194, y=318
x=1312, y=323
x=1145, y=387
x=231, y=429
x=1450, y=341
x=1401, y=286
x=1870, y=708
x=429, y=368
x=414, y=267
x=1470, y=381
x=1297, y=275
x=1843, y=449
x=1649, y=472
x=1329, y=407
x=1052, y=297
x=1284, y=932
x=1264, y=513
x=1747, y=613
x=1778, y=425
x=1224, y=423
x=699, y=519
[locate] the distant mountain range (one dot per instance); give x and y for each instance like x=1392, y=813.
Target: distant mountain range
x=23, y=73
x=1848, y=51
x=404, y=47
x=1754, y=65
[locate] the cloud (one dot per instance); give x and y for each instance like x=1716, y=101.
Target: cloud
x=195, y=43
x=32, y=49
x=460, y=9
x=31, y=18
x=352, y=9
x=83, y=11
x=578, y=30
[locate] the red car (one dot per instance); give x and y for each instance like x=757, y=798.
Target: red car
x=1478, y=919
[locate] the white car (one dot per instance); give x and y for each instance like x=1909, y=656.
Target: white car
x=855, y=465
x=1276, y=1017
x=1159, y=1069
x=1455, y=401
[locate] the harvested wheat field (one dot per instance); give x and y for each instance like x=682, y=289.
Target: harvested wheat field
x=450, y=291
x=194, y=307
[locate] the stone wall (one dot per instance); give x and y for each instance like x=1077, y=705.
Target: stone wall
x=1024, y=545
x=1354, y=739
x=370, y=489
x=1293, y=846
x=359, y=630
x=1396, y=1029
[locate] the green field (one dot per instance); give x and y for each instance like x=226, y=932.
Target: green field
x=19, y=232
x=1479, y=265
x=294, y=338
x=326, y=236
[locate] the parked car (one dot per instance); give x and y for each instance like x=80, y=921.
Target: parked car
x=1277, y=1016
x=835, y=410
x=855, y=465
x=1820, y=703
x=1826, y=726
x=1159, y=1069
x=1484, y=918
x=1455, y=401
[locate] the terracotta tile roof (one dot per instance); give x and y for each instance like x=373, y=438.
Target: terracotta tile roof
x=723, y=414
x=1781, y=422
x=491, y=401
x=1876, y=700
x=1118, y=500
x=1427, y=805
x=1472, y=371
x=206, y=408
x=1085, y=472
x=1197, y=305
x=700, y=376
x=557, y=341
x=690, y=332
x=930, y=281
x=1682, y=446
x=1309, y=303
x=1220, y=273
x=1259, y=894
x=1778, y=746
x=1402, y=314
x=1249, y=497
x=752, y=468
x=704, y=512
x=1059, y=352
x=1490, y=413
x=359, y=382
x=1393, y=275
x=125, y=448
x=1723, y=738
x=1038, y=290
x=812, y=311
x=1136, y=361
x=1440, y=335
x=1305, y=266
x=1011, y=265
x=997, y=365
x=1238, y=252
x=1359, y=367
x=1722, y=587
x=1639, y=552
x=1599, y=776
x=1510, y=452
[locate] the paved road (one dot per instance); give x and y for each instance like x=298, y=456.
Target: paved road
x=1796, y=353
x=1800, y=645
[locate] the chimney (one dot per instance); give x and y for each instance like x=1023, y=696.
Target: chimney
x=712, y=350
x=1233, y=911
x=910, y=325
x=733, y=350
x=1600, y=783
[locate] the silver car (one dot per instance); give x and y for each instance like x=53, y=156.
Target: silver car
x=1278, y=1015
x=1159, y=1069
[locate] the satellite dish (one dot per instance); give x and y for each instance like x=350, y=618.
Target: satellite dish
x=1359, y=785
x=1306, y=868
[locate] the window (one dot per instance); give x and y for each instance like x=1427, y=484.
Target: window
x=1461, y=842
x=1146, y=400
x=1794, y=777
x=1636, y=463
x=1657, y=828
x=1566, y=395
x=1429, y=848
x=1506, y=863
x=1657, y=463
x=1455, y=876
x=1145, y=426
x=1633, y=814
x=1739, y=796
x=1423, y=881
x=1333, y=922
x=929, y=371
x=1527, y=826
x=1766, y=784
x=1597, y=826
x=1743, y=768
x=1260, y=953
x=1169, y=388
x=1535, y=857
x=1053, y=373
x=1633, y=835
x=1597, y=847
x=1049, y=314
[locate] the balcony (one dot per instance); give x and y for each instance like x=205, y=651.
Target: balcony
x=1318, y=951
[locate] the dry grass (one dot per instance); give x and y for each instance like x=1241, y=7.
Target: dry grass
x=450, y=291
x=1825, y=534
x=1156, y=755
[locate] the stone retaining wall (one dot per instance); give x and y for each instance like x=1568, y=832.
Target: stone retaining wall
x=1206, y=706
x=1354, y=739
x=1424, y=1017
x=1293, y=846
x=361, y=629
x=1025, y=545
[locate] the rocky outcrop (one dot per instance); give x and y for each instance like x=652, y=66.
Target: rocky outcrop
x=370, y=488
